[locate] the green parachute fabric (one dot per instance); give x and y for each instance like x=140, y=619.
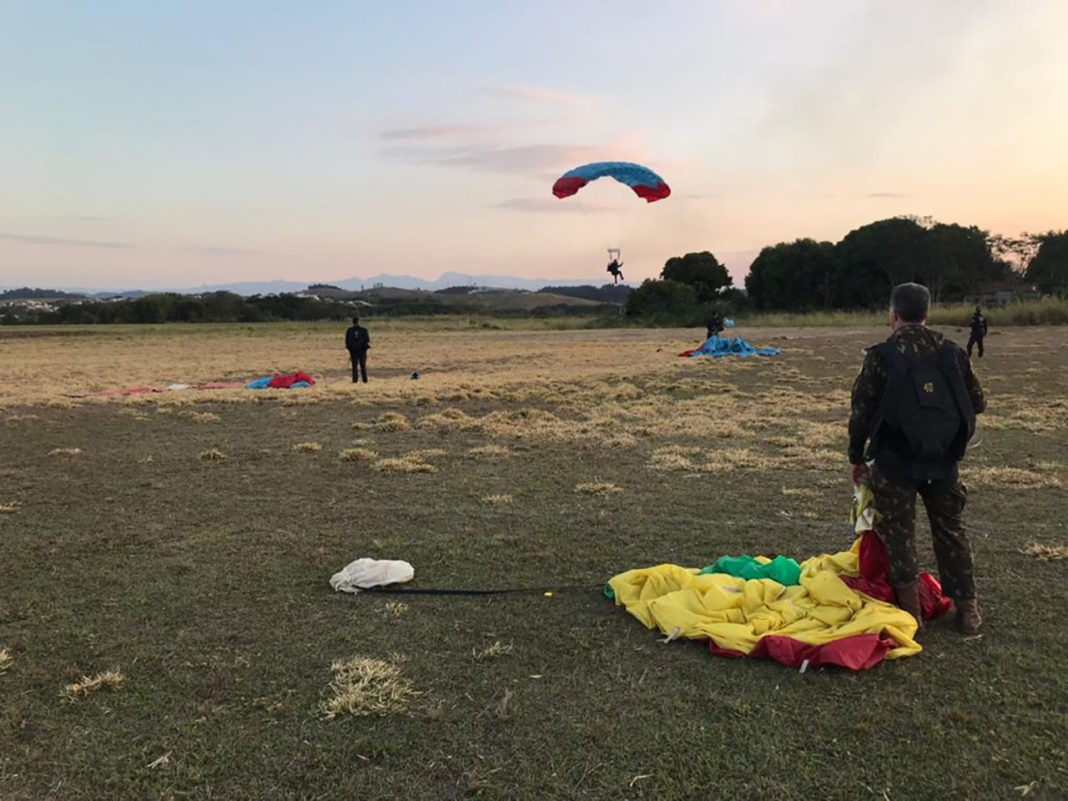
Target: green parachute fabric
x=781, y=569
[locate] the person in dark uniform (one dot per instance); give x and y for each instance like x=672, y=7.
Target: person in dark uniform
x=978, y=325
x=357, y=342
x=914, y=403
x=714, y=325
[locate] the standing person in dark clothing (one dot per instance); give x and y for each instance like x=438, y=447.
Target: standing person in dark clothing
x=978, y=324
x=915, y=399
x=713, y=325
x=357, y=342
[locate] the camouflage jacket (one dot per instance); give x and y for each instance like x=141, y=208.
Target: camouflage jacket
x=871, y=381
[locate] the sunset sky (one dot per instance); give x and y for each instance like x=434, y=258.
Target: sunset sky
x=171, y=144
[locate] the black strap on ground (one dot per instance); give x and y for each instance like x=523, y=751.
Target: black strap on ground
x=393, y=590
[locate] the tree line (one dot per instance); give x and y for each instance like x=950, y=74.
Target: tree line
x=953, y=261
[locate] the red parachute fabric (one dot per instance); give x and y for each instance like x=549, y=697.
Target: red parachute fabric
x=852, y=653
x=289, y=379
x=874, y=565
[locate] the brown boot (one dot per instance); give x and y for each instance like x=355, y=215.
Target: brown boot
x=968, y=620
x=908, y=598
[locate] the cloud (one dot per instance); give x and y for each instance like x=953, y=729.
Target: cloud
x=216, y=250
x=544, y=205
x=442, y=132
x=517, y=159
x=886, y=194
x=65, y=242
x=535, y=96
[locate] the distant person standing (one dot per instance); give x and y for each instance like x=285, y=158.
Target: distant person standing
x=714, y=325
x=978, y=324
x=358, y=342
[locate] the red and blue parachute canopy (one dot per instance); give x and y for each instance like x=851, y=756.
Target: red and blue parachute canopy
x=642, y=180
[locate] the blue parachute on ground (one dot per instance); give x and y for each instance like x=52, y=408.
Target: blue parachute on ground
x=717, y=347
x=645, y=183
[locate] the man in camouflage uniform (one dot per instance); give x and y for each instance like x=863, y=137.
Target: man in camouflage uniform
x=895, y=491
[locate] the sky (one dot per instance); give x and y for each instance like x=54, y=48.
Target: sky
x=176, y=143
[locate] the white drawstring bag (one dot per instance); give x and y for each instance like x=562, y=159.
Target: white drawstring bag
x=363, y=574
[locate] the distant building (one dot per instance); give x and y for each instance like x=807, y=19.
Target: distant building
x=1001, y=293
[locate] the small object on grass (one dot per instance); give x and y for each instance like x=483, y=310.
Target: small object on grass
x=6, y=659
x=106, y=680
x=549, y=594
x=163, y=760
x=674, y=633
x=363, y=574
x=212, y=455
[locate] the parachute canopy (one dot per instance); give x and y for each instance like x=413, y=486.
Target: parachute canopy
x=645, y=183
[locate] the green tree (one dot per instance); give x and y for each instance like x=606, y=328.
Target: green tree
x=876, y=257
x=664, y=300
x=1048, y=269
x=702, y=271
x=959, y=261
x=793, y=275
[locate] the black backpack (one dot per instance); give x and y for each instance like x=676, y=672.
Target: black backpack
x=926, y=417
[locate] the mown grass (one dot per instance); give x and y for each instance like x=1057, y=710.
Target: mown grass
x=1044, y=311
x=207, y=584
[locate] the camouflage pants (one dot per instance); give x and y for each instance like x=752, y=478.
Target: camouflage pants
x=945, y=507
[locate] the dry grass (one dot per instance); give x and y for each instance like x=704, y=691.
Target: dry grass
x=422, y=454
x=403, y=464
x=107, y=680
x=199, y=417
x=15, y=419
x=1047, y=553
x=393, y=421
x=308, y=447
x=9, y=508
x=491, y=452
x=66, y=453
x=498, y=500
x=801, y=492
x=357, y=455
x=1008, y=478
x=6, y=659
x=497, y=649
x=396, y=608
x=212, y=455
x=367, y=687
x=598, y=488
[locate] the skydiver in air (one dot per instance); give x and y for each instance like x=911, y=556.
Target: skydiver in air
x=614, y=267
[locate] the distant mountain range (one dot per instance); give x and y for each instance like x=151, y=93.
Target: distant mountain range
x=445, y=281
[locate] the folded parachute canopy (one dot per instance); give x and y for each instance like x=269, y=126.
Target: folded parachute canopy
x=834, y=609
x=645, y=183
x=717, y=347
x=297, y=380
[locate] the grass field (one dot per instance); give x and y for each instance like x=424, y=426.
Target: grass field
x=167, y=629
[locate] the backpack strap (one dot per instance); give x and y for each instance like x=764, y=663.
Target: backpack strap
x=896, y=368
x=950, y=368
